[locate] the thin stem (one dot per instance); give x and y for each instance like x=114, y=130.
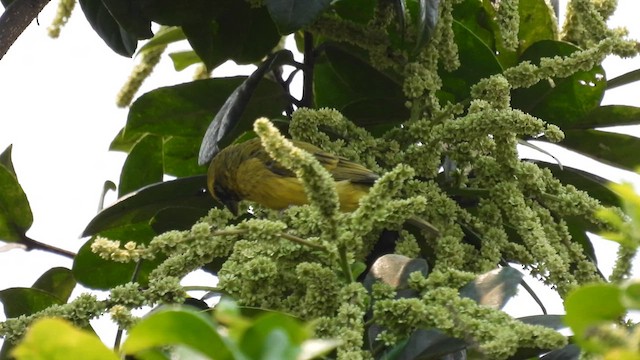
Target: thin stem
x=15, y=19
x=302, y=241
x=344, y=264
x=202, y=288
x=309, y=63
x=32, y=244
x=116, y=344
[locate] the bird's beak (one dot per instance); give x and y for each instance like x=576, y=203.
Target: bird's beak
x=232, y=206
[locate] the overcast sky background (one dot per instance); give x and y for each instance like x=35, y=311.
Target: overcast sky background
x=57, y=108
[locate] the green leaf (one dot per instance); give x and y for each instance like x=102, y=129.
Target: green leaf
x=178, y=13
x=616, y=149
x=26, y=301
x=240, y=33
x=590, y=306
x=144, y=204
x=180, y=156
x=477, y=61
x=164, y=36
x=551, y=321
x=273, y=336
x=427, y=20
x=292, y=15
x=143, y=165
x=129, y=15
x=567, y=100
x=15, y=213
x=57, y=281
x=494, y=288
x=359, y=11
x=536, y=23
x=197, y=331
x=238, y=112
x=114, y=35
x=610, y=115
x=184, y=59
x=5, y=159
x=57, y=339
x=125, y=141
x=624, y=79
x=176, y=218
x=94, y=272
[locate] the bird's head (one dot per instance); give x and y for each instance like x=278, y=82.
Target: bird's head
x=221, y=180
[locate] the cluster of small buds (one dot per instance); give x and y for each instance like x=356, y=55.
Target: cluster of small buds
x=110, y=250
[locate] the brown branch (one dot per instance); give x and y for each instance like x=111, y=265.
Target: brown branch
x=32, y=244
x=16, y=17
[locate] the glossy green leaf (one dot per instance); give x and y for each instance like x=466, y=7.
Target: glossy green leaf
x=114, y=35
x=565, y=101
x=536, y=23
x=477, y=61
x=609, y=115
x=94, y=272
x=180, y=156
x=428, y=12
x=26, y=301
x=125, y=141
x=292, y=15
x=245, y=104
x=474, y=17
x=129, y=15
x=197, y=331
x=164, y=36
x=616, y=149
x=177, y=13
x=15, y=213
x=494, y=288
x=143, y=166
x=240, y=32
x=359, y=11
x=144, y=204
x=624, y=79
x=57, y=281
x=273, y=336
x=57, y=339
x=592, y=305
x=184, y=59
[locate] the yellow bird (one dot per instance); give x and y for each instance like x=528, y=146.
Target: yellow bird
x=245, y=171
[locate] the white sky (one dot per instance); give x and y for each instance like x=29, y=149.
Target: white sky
x=57, y=109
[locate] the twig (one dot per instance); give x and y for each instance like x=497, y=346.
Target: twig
x=32, y=244
x=309, y=62
x=15, y=19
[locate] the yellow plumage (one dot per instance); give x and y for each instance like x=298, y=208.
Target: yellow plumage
x=246, y=172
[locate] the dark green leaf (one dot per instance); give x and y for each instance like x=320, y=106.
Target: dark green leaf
x=129, y=15
x=273, y=336
x=578, y=230
x=430, y=344
x=26, y=301
x=616, y=149
x=624, y=79
x=178, y=13
x=15, y=213
x=181, y=156
x=477, y=61
x=197, y=331
x=359, y=11
x=5, y=160
x=184, y=59
x=427, y=19
x=164, y=36
x=610, y=115
x=114, y=35
x=94, y=272
x=144, y=204
x=177, y=218
x=143, y=165
x=494, y=288
x=292, y=15
x=567, y=100
x=57, y=281
x=536, y=23
x=569, y=352
x=237, y=113
x=400, y=9
x=125, y=141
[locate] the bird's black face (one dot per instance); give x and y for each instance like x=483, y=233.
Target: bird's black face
x=228, y=198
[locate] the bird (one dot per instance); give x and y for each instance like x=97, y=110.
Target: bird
x=245, y=171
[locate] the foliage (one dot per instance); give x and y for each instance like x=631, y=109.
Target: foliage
x=435, y=96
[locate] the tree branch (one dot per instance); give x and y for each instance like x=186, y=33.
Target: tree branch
x=16, y=17
x=32, y=244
